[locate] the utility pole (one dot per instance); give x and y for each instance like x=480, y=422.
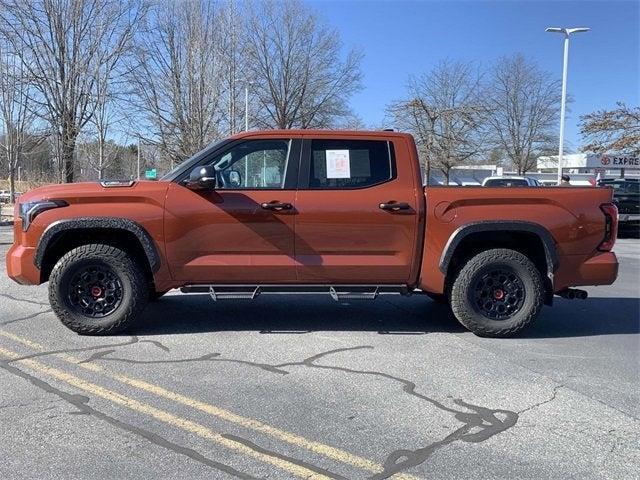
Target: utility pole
x=565, y=64
x=139, y=155
x=246, y=108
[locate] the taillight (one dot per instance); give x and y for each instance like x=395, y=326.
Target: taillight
x=610, y=226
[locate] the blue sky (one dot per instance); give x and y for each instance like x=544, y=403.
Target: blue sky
x=400, y=38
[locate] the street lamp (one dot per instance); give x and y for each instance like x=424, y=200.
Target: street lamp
x=246, y=108
x=139, y=157
x=246, y=105
x=566, y=32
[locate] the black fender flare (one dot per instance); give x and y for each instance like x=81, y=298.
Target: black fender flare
x=98, y=223
x=500, y=226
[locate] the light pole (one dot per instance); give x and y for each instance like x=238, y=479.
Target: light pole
x=139, y=155
x=246, y=127
x=246, y=108
x=246, y=105
x=566, y=32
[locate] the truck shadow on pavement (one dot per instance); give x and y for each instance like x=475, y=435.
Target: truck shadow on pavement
x=294, y=315
x=177, y=314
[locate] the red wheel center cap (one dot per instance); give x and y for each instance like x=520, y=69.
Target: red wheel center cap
x=96, y=291
x=498, y=294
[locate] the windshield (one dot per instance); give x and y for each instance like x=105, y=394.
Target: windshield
x=623, y=187
x=633, y=187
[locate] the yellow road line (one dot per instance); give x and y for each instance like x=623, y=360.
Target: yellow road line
x=223, y=414
x=166, y=417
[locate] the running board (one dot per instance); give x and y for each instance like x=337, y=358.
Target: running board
x=337, y=292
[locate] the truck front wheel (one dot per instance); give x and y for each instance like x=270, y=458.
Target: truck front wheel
x=97, y=289
x=497, y=293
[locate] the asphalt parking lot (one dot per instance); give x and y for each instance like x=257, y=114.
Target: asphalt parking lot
x=310, y=388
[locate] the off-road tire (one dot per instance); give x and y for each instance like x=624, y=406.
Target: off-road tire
x=463, y=293
x=134, y=292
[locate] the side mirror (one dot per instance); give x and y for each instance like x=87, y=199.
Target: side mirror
x=202, y=178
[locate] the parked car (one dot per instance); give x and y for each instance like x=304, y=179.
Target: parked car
x=4, y=196
x=510, y=181
x=626, y=195
x=311, y=211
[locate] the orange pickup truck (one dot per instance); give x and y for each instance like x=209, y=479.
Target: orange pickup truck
x=309, y=212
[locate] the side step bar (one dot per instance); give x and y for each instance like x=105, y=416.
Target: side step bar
x=337, y=292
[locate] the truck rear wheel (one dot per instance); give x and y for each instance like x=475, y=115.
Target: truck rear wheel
x=497, y=293
x=97, y=289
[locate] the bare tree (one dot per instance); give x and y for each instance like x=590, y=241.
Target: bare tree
x=616, y=130
x=524, y=103
x=16, y=113
x=60, y=44
x=232, y=48
x=445, y=113
x=108, y=86
x=301, y=79
x=177, y=77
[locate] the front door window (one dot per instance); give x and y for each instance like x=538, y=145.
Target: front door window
x=255, y=164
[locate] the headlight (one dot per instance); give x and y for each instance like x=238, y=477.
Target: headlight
x=30, y=210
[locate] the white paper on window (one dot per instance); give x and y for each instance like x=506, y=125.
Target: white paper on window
x=338, y=165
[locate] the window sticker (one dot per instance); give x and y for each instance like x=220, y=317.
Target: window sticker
x=338, y=165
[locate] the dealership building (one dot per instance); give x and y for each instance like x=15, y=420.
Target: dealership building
x=607, y=164
x=583, y=168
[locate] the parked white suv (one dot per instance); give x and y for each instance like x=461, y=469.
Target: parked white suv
x=510, y=181
x=4, y=196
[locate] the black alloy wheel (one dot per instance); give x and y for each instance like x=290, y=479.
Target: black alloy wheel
x=94, y=291
x=499, y=293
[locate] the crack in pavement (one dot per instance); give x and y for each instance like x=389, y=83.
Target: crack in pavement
x=24, y=300
x=546, y=375
x=25, y=404
x=133, y=340
x=208, y=357
x=554, y=393
x=479, y=423
x=81, y=403
x=28, y=317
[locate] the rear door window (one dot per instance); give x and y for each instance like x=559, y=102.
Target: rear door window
x=347, y=164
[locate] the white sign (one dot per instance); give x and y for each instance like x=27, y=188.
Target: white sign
x=613, y=161
x=338, y=164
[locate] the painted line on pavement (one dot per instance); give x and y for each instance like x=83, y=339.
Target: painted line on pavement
x=165, y=417
x=328, y=451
